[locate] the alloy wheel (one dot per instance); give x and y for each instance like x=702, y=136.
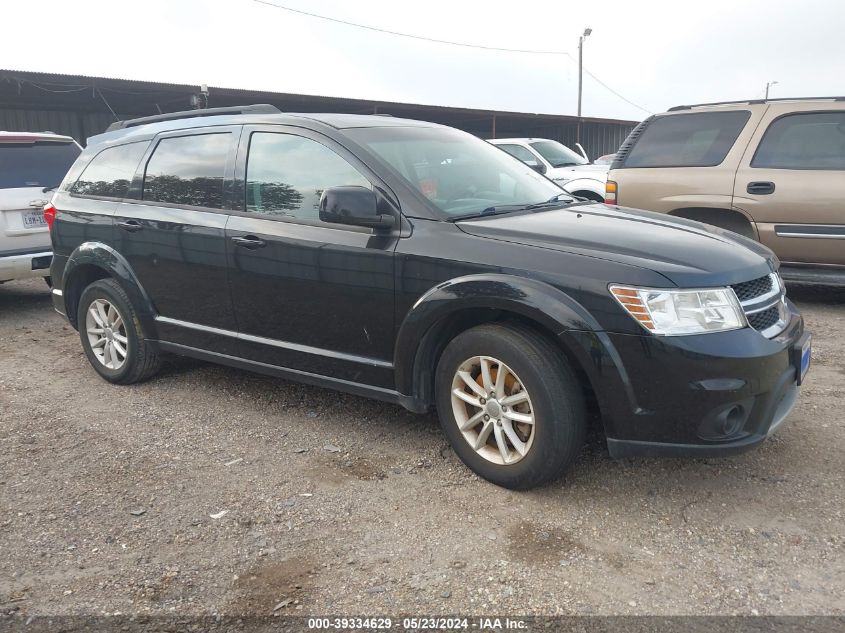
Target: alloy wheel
x=106, y=333
x=493, y=410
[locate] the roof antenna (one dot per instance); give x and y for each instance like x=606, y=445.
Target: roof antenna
x=100, y=92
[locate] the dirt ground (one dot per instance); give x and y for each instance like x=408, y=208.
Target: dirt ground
x=209, y=490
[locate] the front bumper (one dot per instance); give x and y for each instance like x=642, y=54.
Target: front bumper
x=25, y=265
x=704, y=395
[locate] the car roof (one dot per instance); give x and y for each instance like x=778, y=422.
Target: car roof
x=334, y=120
x=32, y=137
x=746, y=103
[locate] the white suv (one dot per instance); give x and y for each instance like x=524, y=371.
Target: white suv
x=570, y=170
x=31, y=164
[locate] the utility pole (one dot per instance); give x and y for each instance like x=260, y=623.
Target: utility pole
x=769, y=84
x=586, y=33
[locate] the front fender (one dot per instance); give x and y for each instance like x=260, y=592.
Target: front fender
x=586, y=184
x=423, y=335
x=107, y=259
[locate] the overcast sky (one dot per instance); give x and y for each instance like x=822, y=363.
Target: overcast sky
x=655, y=54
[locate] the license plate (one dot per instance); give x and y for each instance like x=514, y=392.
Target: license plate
x=803, y=357
x=34, y=220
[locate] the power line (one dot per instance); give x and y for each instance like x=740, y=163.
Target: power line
x=447, y=42
x=409, y=35
x=608, y=88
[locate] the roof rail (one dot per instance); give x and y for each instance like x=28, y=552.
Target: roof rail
x=262, y=108
x=754, y=101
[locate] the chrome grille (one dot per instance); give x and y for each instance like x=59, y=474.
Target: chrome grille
x=754, y=288
x=762, y=300
x=765, y=319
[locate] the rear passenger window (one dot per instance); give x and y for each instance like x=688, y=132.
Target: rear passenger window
x=110, y=172
x=699, y=139
x=188, y=170
x=804, y=141
x=287, y=174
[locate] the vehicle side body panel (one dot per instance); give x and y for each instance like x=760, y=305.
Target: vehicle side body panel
x=667, y=189
x=803, y=218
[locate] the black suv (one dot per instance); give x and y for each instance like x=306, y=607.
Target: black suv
x=417, y=264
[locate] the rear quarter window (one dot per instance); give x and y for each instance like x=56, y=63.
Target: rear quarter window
x=38, y=164
x=697, y=139
x=110, y=172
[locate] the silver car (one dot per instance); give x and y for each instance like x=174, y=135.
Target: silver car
x=31, y=164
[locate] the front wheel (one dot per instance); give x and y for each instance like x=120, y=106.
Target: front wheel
x=510, y=404
x=111, y=334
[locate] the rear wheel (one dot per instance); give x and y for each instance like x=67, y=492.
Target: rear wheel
x=111, y=334
x=510, y=405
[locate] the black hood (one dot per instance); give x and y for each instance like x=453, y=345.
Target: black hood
x=689, y=254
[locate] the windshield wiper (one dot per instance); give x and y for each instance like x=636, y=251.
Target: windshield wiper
x=511, y=208
x=554, y=200
x=50, y=188
x=505, y=208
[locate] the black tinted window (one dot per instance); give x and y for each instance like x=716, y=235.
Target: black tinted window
x=39, y=164
x=804, y=141
x=286, y=175
x=110, y=172
x=188, y=170
x=700, y=139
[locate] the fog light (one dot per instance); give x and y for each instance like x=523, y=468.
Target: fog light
x=726, y=422
x=731, y=421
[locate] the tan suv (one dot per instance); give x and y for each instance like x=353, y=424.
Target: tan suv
x=771, y=170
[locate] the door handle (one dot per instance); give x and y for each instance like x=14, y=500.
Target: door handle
x=760, y=188
x=131, y=226
x=250, y=241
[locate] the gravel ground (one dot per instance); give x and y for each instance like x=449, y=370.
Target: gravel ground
x=214, y=491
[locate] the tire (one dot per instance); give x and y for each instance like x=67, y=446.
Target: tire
x=140, y=360
x=554, y=400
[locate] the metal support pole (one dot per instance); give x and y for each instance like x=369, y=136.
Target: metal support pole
x=586, y=32
x=581, y=71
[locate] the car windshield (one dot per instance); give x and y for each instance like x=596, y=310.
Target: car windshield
x=460, y=174
x=38, y=164
x=558, y=155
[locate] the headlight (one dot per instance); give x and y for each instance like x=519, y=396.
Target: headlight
x=675, y=312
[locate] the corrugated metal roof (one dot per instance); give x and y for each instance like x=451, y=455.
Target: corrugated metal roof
x=85, y=82
x=82, y=106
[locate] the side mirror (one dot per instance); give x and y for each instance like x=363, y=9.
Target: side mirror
x=357, y=206
x=538, y=167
